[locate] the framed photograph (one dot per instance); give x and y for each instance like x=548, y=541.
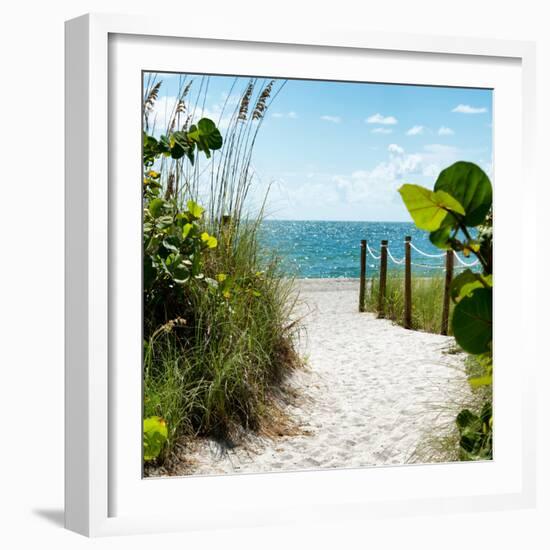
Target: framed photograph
x=288, y=267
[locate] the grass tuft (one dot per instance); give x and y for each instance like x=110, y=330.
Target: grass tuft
x=215, y=361
x=427, y=301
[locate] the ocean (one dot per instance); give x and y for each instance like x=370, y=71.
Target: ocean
x=331, y=249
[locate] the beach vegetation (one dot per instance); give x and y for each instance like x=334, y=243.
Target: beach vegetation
x=451, y=227
x=427, y=300
x=217, y=341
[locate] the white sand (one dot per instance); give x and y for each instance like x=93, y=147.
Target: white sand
x=371, y=391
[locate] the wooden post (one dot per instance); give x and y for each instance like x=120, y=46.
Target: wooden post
x=383, y=274
x=449, y=265
x=407, y=320
x=362, y=276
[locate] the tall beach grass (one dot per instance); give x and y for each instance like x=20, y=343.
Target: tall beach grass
x=215, y=363
x=441, y=443
x=427, y=300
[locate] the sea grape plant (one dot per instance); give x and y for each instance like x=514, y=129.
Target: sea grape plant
x=155, y=434
x=203, y=136
x=458, y=215
x=174, y=244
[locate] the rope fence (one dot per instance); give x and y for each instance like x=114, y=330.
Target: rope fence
x=447, y=266
x=401, y=261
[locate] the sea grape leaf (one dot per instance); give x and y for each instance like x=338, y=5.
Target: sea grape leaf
x=440, y=237
x=479, y=381
x=466, y=282
x=428, y=208
x=180, y=145
x=465, y=418
x=194, y=209
x=163, y=145
x=470, y=186
x=155, y=434
x=186, y=229
x=473, y=321
x=155, y=207
x=209, y=240
x=486, y=414
x=206, y=136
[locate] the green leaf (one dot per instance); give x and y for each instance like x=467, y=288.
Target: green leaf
x=208, y=240
x=155, y=207
x=466, y=282
x=466, y=418
x=164, y=145
x=165, y=222
x=440, y=237
x=171, y=246
x=186, y=229
x=486, y=414
x=206, y=136
x=470, y=186
x=194, y=209
x=155, y=434
x=179, y=144
x=479, y=381
x=473, y=321
x=428, y=208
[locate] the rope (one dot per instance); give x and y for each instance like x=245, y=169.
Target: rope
x=398, y=262
x=465, y=264
x=425, y=253
x=372, y=253
x=428, y=266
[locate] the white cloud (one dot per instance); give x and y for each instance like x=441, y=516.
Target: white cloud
x=439, y=149
x=364, y=193
x=431, y=170
x=290, y=114
x=444, y=131
x=164, y=106
x=381, y=131
x=380, y=119
x=394, y=148
x=159, y=115
x=415, y=131
x=332, y=118
x=468, y=109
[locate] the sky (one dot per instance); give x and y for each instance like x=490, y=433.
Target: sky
x=340, y=150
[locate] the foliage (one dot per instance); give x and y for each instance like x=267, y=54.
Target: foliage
x=155, y=434
x=426, y=300
x=216, y=334
x=476, y=433
x=174, y=251
x=462, y=199
x=428, y=208
x=472, y=321
x=203, y=137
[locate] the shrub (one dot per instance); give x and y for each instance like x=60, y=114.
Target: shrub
x=462, y=200
x=216, y=308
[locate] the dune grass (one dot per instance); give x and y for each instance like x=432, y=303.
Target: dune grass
x=217, y=350
x=215, y=373
x=441, y=442
x=427, y=300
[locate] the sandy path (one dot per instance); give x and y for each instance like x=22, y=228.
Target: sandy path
x=371, y=391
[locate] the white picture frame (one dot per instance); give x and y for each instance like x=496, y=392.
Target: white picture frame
x=105, y=493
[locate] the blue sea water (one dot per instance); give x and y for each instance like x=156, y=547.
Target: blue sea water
x=329, y=249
